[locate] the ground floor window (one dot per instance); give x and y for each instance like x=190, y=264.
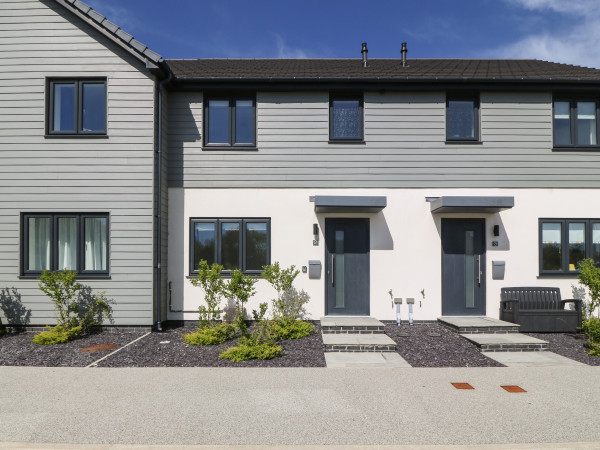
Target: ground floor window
x=565, y=242
x=68, y=241
x=233, y=243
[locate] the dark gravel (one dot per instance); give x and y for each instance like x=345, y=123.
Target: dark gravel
x=448, y=349
x=18, y=350
x=149, y=352
x=569, y=345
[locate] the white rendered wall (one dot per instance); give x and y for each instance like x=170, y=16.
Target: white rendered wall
x=405, y=241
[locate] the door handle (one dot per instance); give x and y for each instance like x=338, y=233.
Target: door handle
x=332, y=268
x=479, y=270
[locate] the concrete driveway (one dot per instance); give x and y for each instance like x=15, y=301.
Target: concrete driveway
x=298, y=406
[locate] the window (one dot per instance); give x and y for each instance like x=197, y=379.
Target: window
x=346, y=117
x=76, y=242
x=565, y=242
x=77, y=107
x=462, y=118
x=230, y=122
x=233, y=243
x=575, y=122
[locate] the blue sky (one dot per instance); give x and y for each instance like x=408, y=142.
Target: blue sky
x=554, y=30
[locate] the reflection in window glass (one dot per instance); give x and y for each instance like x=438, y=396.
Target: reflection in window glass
x=93, y=107
x=244, y=122
x=67, y=243
x=230, y=245
x=218, y=122
x=551, y=246
x=39, y=243
x=256, y=245
x=64, y=107
x=95, y=241
x=586, y=123
x=576, y=244
x=461, y=119
x=204, y=243
x=562, y=123
x=346, y=117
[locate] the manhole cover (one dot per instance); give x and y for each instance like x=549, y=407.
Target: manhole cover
x=513, y=389
x=97, y=348
x=462, y=386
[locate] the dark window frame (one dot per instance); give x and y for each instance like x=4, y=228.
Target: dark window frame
x=80, y=269
x=564, y=244
x=359, y=96
x=77, y=105
x=471, y=97
x=232, y=117
x=572, y=100
x=242, y=250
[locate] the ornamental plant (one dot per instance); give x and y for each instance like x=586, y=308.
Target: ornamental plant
x=240, y=288
x=589, y=276
x=77, y=309
x=209, y=279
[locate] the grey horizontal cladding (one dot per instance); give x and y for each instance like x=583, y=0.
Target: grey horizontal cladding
x=349, y=203
x=471, y=204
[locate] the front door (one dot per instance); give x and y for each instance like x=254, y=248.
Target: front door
x=347, y=267
x=463, y=267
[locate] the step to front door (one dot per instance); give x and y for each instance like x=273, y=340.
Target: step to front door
x=478, y=325
x=351, y=325
x=355, y=342
x=510, y=342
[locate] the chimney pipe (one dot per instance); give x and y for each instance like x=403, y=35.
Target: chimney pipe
x=364, y=52
x=404, y=51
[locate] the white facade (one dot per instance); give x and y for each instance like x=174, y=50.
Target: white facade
x=405, y=241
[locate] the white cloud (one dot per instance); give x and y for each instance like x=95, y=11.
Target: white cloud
x=577, y=44
x=284, y=51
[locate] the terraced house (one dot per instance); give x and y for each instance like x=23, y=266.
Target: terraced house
x=442, y=180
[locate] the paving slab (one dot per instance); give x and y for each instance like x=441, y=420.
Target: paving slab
x=364, y=359
x=461, y=322
x=350, y=322
x=532, y=359
x=357, y=339
x=502, y=339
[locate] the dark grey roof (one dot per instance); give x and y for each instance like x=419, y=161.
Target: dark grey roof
x=111, y=30
x=379, y=70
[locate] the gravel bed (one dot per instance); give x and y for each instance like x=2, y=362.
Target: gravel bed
x=448, y=349
x=18, y=350
x=149, y=352
x=569, y=345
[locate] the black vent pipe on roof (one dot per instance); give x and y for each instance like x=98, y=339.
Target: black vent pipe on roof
x=364, y=52
x=404, y=51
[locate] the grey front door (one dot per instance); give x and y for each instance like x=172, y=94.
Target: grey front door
x=347, y=267
x=463, y=267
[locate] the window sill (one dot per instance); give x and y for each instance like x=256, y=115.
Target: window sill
x=347, y=141
x=78, y=277
x=228, y=275
x=230, y=149
x=76, y=136
x=576, y=149
x=465, y=142
x=558, y=275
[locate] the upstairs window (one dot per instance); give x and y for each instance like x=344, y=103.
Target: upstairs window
x=462, y=118
x=564, y=243
x=230, y=122
x=77, y=107
x=575, y=122
x=68, y=241
x=346, y=118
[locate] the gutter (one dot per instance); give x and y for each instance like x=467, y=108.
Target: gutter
x=159, y=204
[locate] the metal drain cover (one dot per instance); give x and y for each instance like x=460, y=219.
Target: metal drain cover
x=462, y=386
x=513, y=389
x=97, y=348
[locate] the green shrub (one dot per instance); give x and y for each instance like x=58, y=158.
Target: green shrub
x=591, y=328
x=589, y=276
x=57, y=335
x=251, y=348
x=209, y=279
x=594, y=348
x=286, y=329
x=213, y=335
x=239, y=289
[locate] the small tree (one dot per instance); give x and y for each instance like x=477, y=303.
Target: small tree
x=240, y=288
x=589, y=276
x=209, y=279
x=282, y=280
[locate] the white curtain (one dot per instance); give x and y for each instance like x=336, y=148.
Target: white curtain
x=95, y=243
x=67, y=243
x=39, y=243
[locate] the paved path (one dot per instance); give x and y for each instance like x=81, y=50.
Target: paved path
x=298, y=406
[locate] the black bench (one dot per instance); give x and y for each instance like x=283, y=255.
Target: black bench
x=539, y=310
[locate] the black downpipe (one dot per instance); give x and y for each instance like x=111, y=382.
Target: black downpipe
x=159, y=207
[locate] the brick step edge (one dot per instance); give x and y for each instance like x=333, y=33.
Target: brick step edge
x=482, y=330
x=360, y=348
x=352, y=330
x=513, y=347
